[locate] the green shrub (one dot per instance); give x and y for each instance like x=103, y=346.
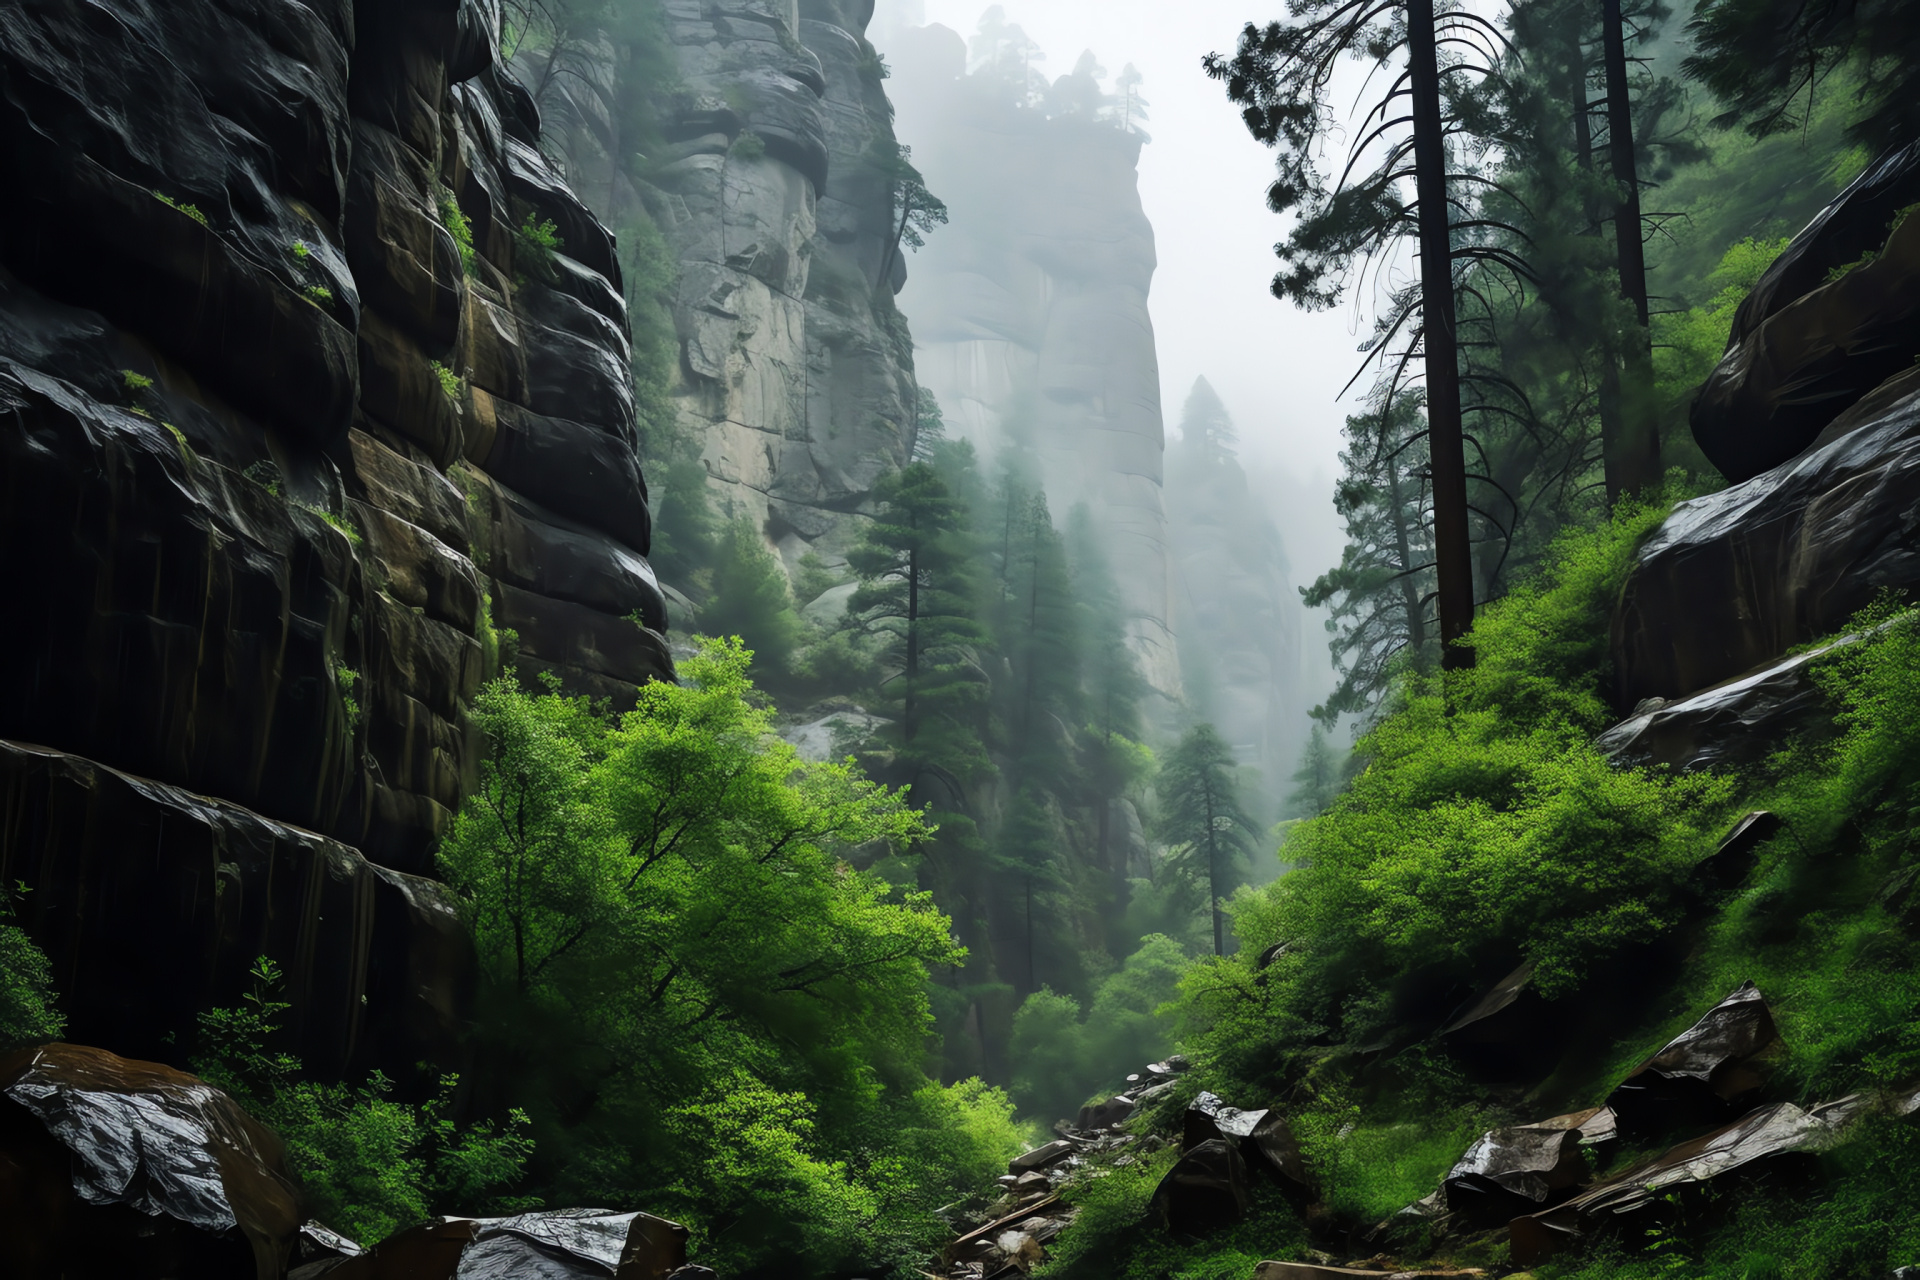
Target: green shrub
x=458, y=226
x=450, y=382
x=534, y=244
x=192, y=211
x=748, y=146
x=29, y=1012
x=368, y=1165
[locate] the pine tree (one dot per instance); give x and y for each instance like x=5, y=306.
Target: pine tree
x=1317, y=781
x=1381, y=593
x=915, y=563
x=1201, y=819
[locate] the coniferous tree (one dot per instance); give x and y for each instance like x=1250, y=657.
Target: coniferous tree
x=1381, y=593
x=1768, y=59
x=1317, y=781
x=915, y=566
x=1280, y=77
x=1210, y=835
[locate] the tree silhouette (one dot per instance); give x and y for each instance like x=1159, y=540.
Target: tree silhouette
x=1280, y=76
x=916, y=210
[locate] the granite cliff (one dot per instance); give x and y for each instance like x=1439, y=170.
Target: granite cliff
x=313, y=388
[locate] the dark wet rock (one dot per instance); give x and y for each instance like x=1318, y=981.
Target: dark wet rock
x=1041, y=1157
x=1508, y=1032
x=1702, y=1075
x=1780, y=385
x=1738, y=853
x=1766, y=1133
x=134, y=1168
x=239, y=354
x=1323, y=1271
x=1105, y=1115
x=1264, y=1137
x=1516, y=1170
x=127, y=872
x=1733, y=580
x=563, y=1244
x=1204, y=1191
x=1729, y=725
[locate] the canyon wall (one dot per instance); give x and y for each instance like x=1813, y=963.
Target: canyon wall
x=306, y=429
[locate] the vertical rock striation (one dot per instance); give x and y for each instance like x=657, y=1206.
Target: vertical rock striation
x=293, y=420
x=1030, y=309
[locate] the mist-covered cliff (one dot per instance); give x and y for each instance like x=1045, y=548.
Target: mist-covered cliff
x=1029, y=310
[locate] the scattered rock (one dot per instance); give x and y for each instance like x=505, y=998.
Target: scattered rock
x=1264, y=1137
x=1782, y=1129
x=1321, y=1271
x=1205, y=1190
x=563, y=1244
x=1516, y=1170
x=1701, y=1075
x=1041, y=1157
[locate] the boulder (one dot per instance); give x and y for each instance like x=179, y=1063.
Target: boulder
x=563, y=1244
x=1702, y=1075
x=112, y=1167
x=1518, y=1169
x=1204, y=1191
x=1733, y=580
x=1779, y=386
x=1768, y=1132
x=1041, y=1157
x=1264, y=1137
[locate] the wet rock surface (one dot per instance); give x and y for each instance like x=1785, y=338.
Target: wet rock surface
x=564, y=1244
x=111, y=1166
x=249, y=375
x=1732, y=581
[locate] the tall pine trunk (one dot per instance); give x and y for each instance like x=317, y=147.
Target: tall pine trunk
x=1633, y=452
x=908, y=724
x=1453, y=550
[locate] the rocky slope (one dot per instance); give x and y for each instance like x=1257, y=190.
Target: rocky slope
x=1030, y=309
x=296, y=423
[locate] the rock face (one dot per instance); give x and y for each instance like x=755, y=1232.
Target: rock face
x=794, y=374
x=292, y=422
x=1029, y=310
x=1815, y=413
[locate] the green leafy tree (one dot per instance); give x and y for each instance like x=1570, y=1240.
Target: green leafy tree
x=1210, y=836
x=1317, y=781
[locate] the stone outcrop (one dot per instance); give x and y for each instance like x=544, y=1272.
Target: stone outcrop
x=294, y=418
x=1030, y=314
x=1815, y=413
x=794, y=371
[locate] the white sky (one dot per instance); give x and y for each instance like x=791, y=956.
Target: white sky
x=1203, y=182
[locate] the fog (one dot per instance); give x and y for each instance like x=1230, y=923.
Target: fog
x=1202, y=179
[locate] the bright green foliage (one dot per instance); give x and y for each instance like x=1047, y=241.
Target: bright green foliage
x=534, y=244
x=369, y=1165
x=1688, y=344
x=1208, y=834
x=29, y=1012
x=666, y=918
x=135, y=382
x=1064, y=1059
x=1367, y=1168
x=459, y=226
x=192, y=211
x=1115, y=1239
x=318, y=294
x=300, y=250
x=1479, y=833
x=750, y=598
x=450, y=381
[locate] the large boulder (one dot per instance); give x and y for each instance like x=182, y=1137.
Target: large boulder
x=1704, y=1074
x=1733, y=580
x=111, y=1167
x=1805, y=345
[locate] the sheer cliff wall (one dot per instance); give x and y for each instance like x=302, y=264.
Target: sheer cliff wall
x=294, y=427
x=1029, y=310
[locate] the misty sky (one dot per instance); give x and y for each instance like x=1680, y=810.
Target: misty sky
x=1202, y=181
